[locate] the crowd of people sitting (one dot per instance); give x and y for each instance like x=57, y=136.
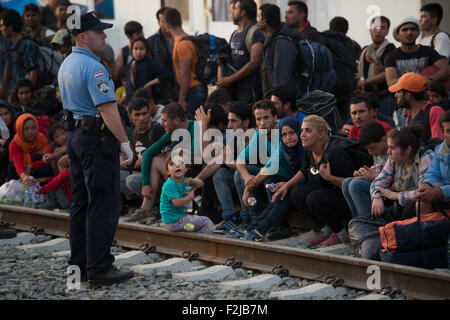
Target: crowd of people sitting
x=396, y=111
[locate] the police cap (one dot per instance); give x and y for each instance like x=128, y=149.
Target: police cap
x=90, y=21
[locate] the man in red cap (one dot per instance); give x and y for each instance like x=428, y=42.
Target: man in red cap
x=410, y=94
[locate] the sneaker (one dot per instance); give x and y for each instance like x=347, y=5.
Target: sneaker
x=139, y=215
x=227, y=225
x=319, y=239
x=237, y=234
x=254, y=236
x=7, y=233
x=153, y=217
x=279, y=232
x=331, y=241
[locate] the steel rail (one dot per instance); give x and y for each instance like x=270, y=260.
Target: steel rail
x=413, y=282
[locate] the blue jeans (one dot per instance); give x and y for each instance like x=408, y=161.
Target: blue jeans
x=275, y=213
x=249, y=214
x=223, y=180
x=196, y=97
x=357, y=194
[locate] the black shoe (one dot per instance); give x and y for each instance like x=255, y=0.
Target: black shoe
x=7, y=233
x=112, y=277
x=279, y=232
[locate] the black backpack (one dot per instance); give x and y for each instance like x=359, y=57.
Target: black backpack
x=323, y=104
x=359, y=155
x=342, y=51
x=208, y=48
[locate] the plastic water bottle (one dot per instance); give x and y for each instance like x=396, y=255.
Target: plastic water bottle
x=189, y=207
x=32, y=197
x=271, y=187
x=28, y=197
x=251, y=201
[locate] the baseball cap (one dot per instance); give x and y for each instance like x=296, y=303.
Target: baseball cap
x=90, y=21
x=405, y=20
x=410, y=81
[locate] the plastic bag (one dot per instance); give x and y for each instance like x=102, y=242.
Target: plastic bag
x=12, y=192
x=4, y=131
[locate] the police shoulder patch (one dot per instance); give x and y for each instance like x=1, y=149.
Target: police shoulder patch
x=102, y=86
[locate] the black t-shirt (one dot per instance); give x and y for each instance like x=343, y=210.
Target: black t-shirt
x=381, y=86
x=415, y=62
x=340, y=162
x=241, y=56
x=140, y=142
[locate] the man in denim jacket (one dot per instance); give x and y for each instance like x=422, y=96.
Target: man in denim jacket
x=436, y=187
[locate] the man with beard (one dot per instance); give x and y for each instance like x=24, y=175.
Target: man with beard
x=410, y=94
x=246, y=45
x=411, y=57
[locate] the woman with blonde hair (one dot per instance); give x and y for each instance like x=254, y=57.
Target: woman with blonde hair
x=325, y=167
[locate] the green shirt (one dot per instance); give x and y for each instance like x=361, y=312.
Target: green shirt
x=171, y=190
x=158, y=146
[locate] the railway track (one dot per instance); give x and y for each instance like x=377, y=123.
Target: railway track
x=302, y=263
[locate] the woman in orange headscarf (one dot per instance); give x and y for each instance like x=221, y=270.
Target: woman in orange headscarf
x=26, y=151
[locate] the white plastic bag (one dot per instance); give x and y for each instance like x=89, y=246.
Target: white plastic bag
x=4, y=129
x=12, y=192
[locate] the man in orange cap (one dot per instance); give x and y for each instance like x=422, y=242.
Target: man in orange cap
x=410, y=94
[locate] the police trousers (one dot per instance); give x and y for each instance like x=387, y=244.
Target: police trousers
x=94, y=214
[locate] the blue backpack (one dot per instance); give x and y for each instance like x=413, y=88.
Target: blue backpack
x=316, y=67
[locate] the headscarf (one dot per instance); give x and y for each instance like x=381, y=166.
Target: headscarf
x=38, y=144
x=294, y=155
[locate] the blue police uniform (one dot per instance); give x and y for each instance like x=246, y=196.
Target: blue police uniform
x=95, y=177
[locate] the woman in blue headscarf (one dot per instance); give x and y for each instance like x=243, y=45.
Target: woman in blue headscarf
x=283, y=165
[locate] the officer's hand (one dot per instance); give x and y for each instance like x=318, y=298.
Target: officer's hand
x=126, y=151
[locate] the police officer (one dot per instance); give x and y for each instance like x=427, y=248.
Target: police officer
x=95, y=133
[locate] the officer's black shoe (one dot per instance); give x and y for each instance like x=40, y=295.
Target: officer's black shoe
x=279, y=232
x=112, y=277
x=7, y=233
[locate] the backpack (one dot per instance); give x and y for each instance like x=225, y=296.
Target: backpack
x=208, y=47
x=342, y=51
x=316, y=69
x=323, y=104
x=426, y=121
x=421, y=241
x=49, y=63
x=434, y=37
x=359, y=155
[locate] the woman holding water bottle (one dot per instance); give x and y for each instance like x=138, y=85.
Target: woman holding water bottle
x=325, y=167
x=283, y=164
x=176, y=195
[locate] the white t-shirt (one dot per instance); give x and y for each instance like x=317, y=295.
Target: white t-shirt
x=441, y=44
